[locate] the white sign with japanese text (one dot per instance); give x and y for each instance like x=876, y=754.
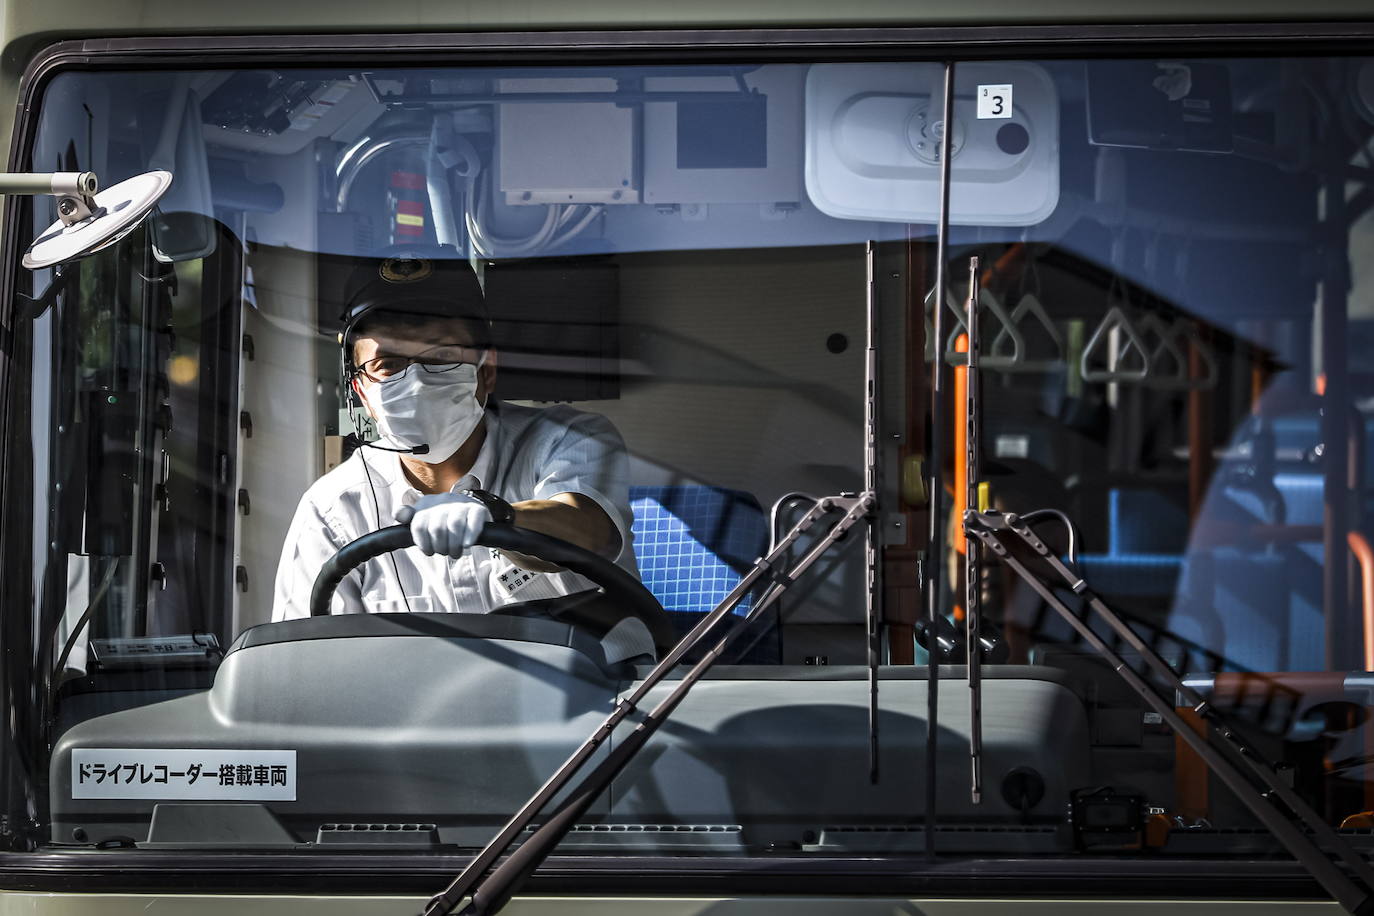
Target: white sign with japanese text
x=216, y=774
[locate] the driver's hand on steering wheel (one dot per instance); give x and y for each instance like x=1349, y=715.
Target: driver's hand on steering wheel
x=447, y=523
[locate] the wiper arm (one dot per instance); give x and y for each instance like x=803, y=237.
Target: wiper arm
x=1253, y=779
x=973, y=559
x=872, y=549
x=487, y=892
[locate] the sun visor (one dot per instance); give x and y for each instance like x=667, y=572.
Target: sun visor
x=183, y=228
x=873, y=139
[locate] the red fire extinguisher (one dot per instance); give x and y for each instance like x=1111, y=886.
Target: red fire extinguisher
x=406, y=196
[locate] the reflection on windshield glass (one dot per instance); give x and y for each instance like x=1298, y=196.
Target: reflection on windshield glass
x=627, y=309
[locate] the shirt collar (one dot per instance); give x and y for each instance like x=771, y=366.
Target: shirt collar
x=483, y=472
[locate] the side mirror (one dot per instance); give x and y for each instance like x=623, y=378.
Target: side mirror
x=89, y=219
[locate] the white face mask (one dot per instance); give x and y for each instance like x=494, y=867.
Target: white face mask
x=435, y=409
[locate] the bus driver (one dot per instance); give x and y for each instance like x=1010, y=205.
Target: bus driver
x=417, y=356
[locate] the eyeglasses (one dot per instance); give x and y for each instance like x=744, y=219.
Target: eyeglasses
x=443, y=358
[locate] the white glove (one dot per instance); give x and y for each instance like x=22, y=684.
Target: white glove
x=447, y=523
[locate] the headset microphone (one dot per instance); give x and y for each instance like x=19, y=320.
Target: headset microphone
x=355, y=441
x=358, y=417
x=417, y=450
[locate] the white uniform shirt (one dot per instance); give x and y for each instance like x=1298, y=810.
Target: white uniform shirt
x=529, y=453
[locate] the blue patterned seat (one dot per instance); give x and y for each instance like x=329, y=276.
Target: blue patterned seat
x=693, y=545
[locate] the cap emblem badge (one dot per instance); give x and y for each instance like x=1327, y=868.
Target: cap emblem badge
x=406, y=270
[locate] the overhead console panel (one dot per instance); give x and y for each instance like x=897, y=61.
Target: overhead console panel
x=577, y=151
x=728, y=137
x=724, y=139
x=873, y=139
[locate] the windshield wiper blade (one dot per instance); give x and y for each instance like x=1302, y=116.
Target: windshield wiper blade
x=1277, y=806
x=973, y=559
x=487, y=891
x=872, y=548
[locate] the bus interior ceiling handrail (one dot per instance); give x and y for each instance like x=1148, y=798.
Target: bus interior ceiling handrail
x=986, y=300
x=1114, y=319
x=1008, y=335
x=1172, y=343
x=955, y=357
x=1168, y=365
x=1029, y=305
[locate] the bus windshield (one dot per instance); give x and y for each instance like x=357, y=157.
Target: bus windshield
x=629, y=307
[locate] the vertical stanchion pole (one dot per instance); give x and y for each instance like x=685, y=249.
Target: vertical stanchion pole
x=1336, y=495
x=935, y=487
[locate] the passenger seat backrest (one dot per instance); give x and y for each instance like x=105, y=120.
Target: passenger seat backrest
x=1144, y=521
x=1146, y=534
x=694, y=543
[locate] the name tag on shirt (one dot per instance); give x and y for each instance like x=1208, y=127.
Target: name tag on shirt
x=513, y=579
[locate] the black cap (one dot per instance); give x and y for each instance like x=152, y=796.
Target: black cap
x=411, y=283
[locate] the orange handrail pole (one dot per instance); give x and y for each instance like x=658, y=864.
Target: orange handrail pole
x=1014, y=257
x=960, y=438
x=1364, y=554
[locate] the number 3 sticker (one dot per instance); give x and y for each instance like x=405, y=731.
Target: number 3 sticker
x=994, y=101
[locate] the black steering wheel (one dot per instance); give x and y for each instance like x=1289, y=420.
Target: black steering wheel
x=623, y=589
